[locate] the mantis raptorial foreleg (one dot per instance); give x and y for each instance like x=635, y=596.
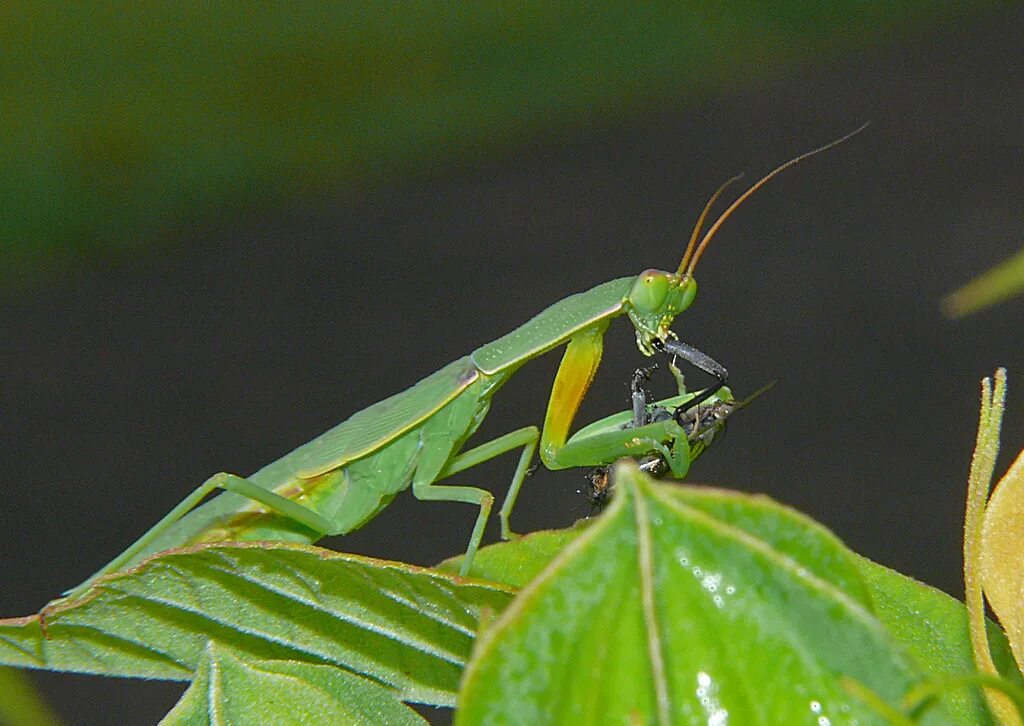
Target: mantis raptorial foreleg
x=575, y=373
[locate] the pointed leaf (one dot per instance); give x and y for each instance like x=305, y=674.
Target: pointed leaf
x=666, y=612
x=515, y=563
x=408, y=628
x=929, y=624
x=229, y=689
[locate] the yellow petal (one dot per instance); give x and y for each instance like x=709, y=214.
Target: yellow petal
x=1002, y=555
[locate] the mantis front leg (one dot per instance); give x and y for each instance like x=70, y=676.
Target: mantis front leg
x=575, y=374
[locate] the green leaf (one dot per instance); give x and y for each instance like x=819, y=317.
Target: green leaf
x=933, y=628
x=517, y=562
x=229, y=688
x=930, y=624
x=668, y=610
x=408, y=628
x=1002, y=282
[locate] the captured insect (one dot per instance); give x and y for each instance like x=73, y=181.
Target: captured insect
x=338, y=481
x=704, y=424
x=670, y=434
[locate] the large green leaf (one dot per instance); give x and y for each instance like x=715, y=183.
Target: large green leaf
x=408, y=628
x=230, y=689
x=667, y=610
x=930, y=625
x=933, y=629
x=516, y=563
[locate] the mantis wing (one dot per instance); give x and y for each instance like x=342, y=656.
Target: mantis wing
x=368, y=430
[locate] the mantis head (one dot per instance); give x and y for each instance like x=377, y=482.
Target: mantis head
x=653, y=303
x=657, y=297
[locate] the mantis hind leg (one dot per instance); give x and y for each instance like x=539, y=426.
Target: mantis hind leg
x=229, y=482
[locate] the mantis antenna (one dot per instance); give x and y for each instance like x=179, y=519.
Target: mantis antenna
x=700, y=222
x=689, y=263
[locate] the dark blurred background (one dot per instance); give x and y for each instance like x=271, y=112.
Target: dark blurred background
x=221, y=236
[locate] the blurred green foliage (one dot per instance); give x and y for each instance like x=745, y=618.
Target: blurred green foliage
x=21, y=704
x=1002, y=282
x=122, y=119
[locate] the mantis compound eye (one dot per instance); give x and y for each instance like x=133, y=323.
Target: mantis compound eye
x=650, y=291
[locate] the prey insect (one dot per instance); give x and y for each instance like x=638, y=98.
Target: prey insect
x=670, y=434
x=338, y=481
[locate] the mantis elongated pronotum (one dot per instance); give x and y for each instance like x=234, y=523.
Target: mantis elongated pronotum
x=341, y=479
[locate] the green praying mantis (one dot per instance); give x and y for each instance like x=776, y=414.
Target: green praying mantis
x=340, y=480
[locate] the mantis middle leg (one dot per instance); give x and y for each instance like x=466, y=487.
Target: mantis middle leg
x=442, y=435
x=525, y=437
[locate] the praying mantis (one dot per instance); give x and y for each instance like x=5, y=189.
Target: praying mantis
x=340, y=480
